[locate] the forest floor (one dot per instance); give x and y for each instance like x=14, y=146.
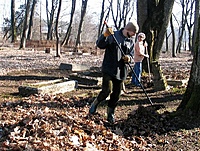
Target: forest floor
x=61, y=122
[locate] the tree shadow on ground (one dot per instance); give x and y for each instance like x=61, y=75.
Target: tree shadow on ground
x=139, y=98
x=27, y=77
x=146, y=121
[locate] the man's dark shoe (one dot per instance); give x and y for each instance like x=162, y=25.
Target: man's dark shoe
x=93, y=107
x=110, y=115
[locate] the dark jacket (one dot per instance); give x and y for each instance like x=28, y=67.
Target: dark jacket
x=113, y=63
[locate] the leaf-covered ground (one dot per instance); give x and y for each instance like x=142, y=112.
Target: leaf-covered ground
x=61, y=122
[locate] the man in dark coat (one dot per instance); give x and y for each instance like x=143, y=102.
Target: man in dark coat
x=114, y=68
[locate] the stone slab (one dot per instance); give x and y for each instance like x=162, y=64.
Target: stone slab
x=86, y=80
x=50, y=87
x=177, y=82
x=73, y=67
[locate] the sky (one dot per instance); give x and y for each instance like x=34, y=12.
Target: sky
x=94, y=6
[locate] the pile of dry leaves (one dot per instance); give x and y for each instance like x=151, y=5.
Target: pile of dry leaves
x=57, y=122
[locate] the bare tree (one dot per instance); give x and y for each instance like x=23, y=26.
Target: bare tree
x=13, y=21
x=25, y=26
x=56, y=29
x=29, y=36
x=67, y=35
x=173, y=37
x=50, y=17
x=124, y=9
x=185, y=13
x=190, y=24
x=83, y=12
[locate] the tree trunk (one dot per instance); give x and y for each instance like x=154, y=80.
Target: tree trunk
x=167, y=42
x=56, y=28
x=101, y=17
x=191, y=99
x=29, y=36
x=83, y=12
x=25, y=27
x=196, y=16
x=155, y=25
x=185, y=13
x=13, y=22
x=50, y=18
x=173, y=38
x=67, y=35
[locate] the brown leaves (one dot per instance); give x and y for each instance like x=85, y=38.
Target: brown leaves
x=56, y=123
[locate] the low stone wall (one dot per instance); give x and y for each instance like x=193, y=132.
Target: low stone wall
x=41, y=43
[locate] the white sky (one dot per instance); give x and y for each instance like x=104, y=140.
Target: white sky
x=94, y=7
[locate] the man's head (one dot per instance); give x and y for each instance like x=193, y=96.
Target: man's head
x=131, y=28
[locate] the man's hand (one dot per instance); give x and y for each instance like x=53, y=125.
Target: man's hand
x=108, y=32
x=147, y=55
x=126, y=58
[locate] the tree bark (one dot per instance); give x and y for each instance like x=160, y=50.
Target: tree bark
x=56, y=28
x=196, y=16
x=173, y=38
x=50, y=18
x=25, y=27
x=83, y=12
x=191, y=99
x=29, y=36
x=13, y=21
x=67, y=35
x=155, y=25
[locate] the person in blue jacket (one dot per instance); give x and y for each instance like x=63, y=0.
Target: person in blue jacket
x=114, y=68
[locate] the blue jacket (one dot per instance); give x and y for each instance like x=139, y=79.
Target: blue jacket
x=113, y=64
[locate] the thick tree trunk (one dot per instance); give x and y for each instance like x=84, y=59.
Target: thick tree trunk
x=191, y=99
x=196, y=16
x=155, y=25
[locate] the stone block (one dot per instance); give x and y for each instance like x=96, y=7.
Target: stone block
x=73, y=67
x=176, y=83
x=49, y=87
x=86, y=80
x=48, y=50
